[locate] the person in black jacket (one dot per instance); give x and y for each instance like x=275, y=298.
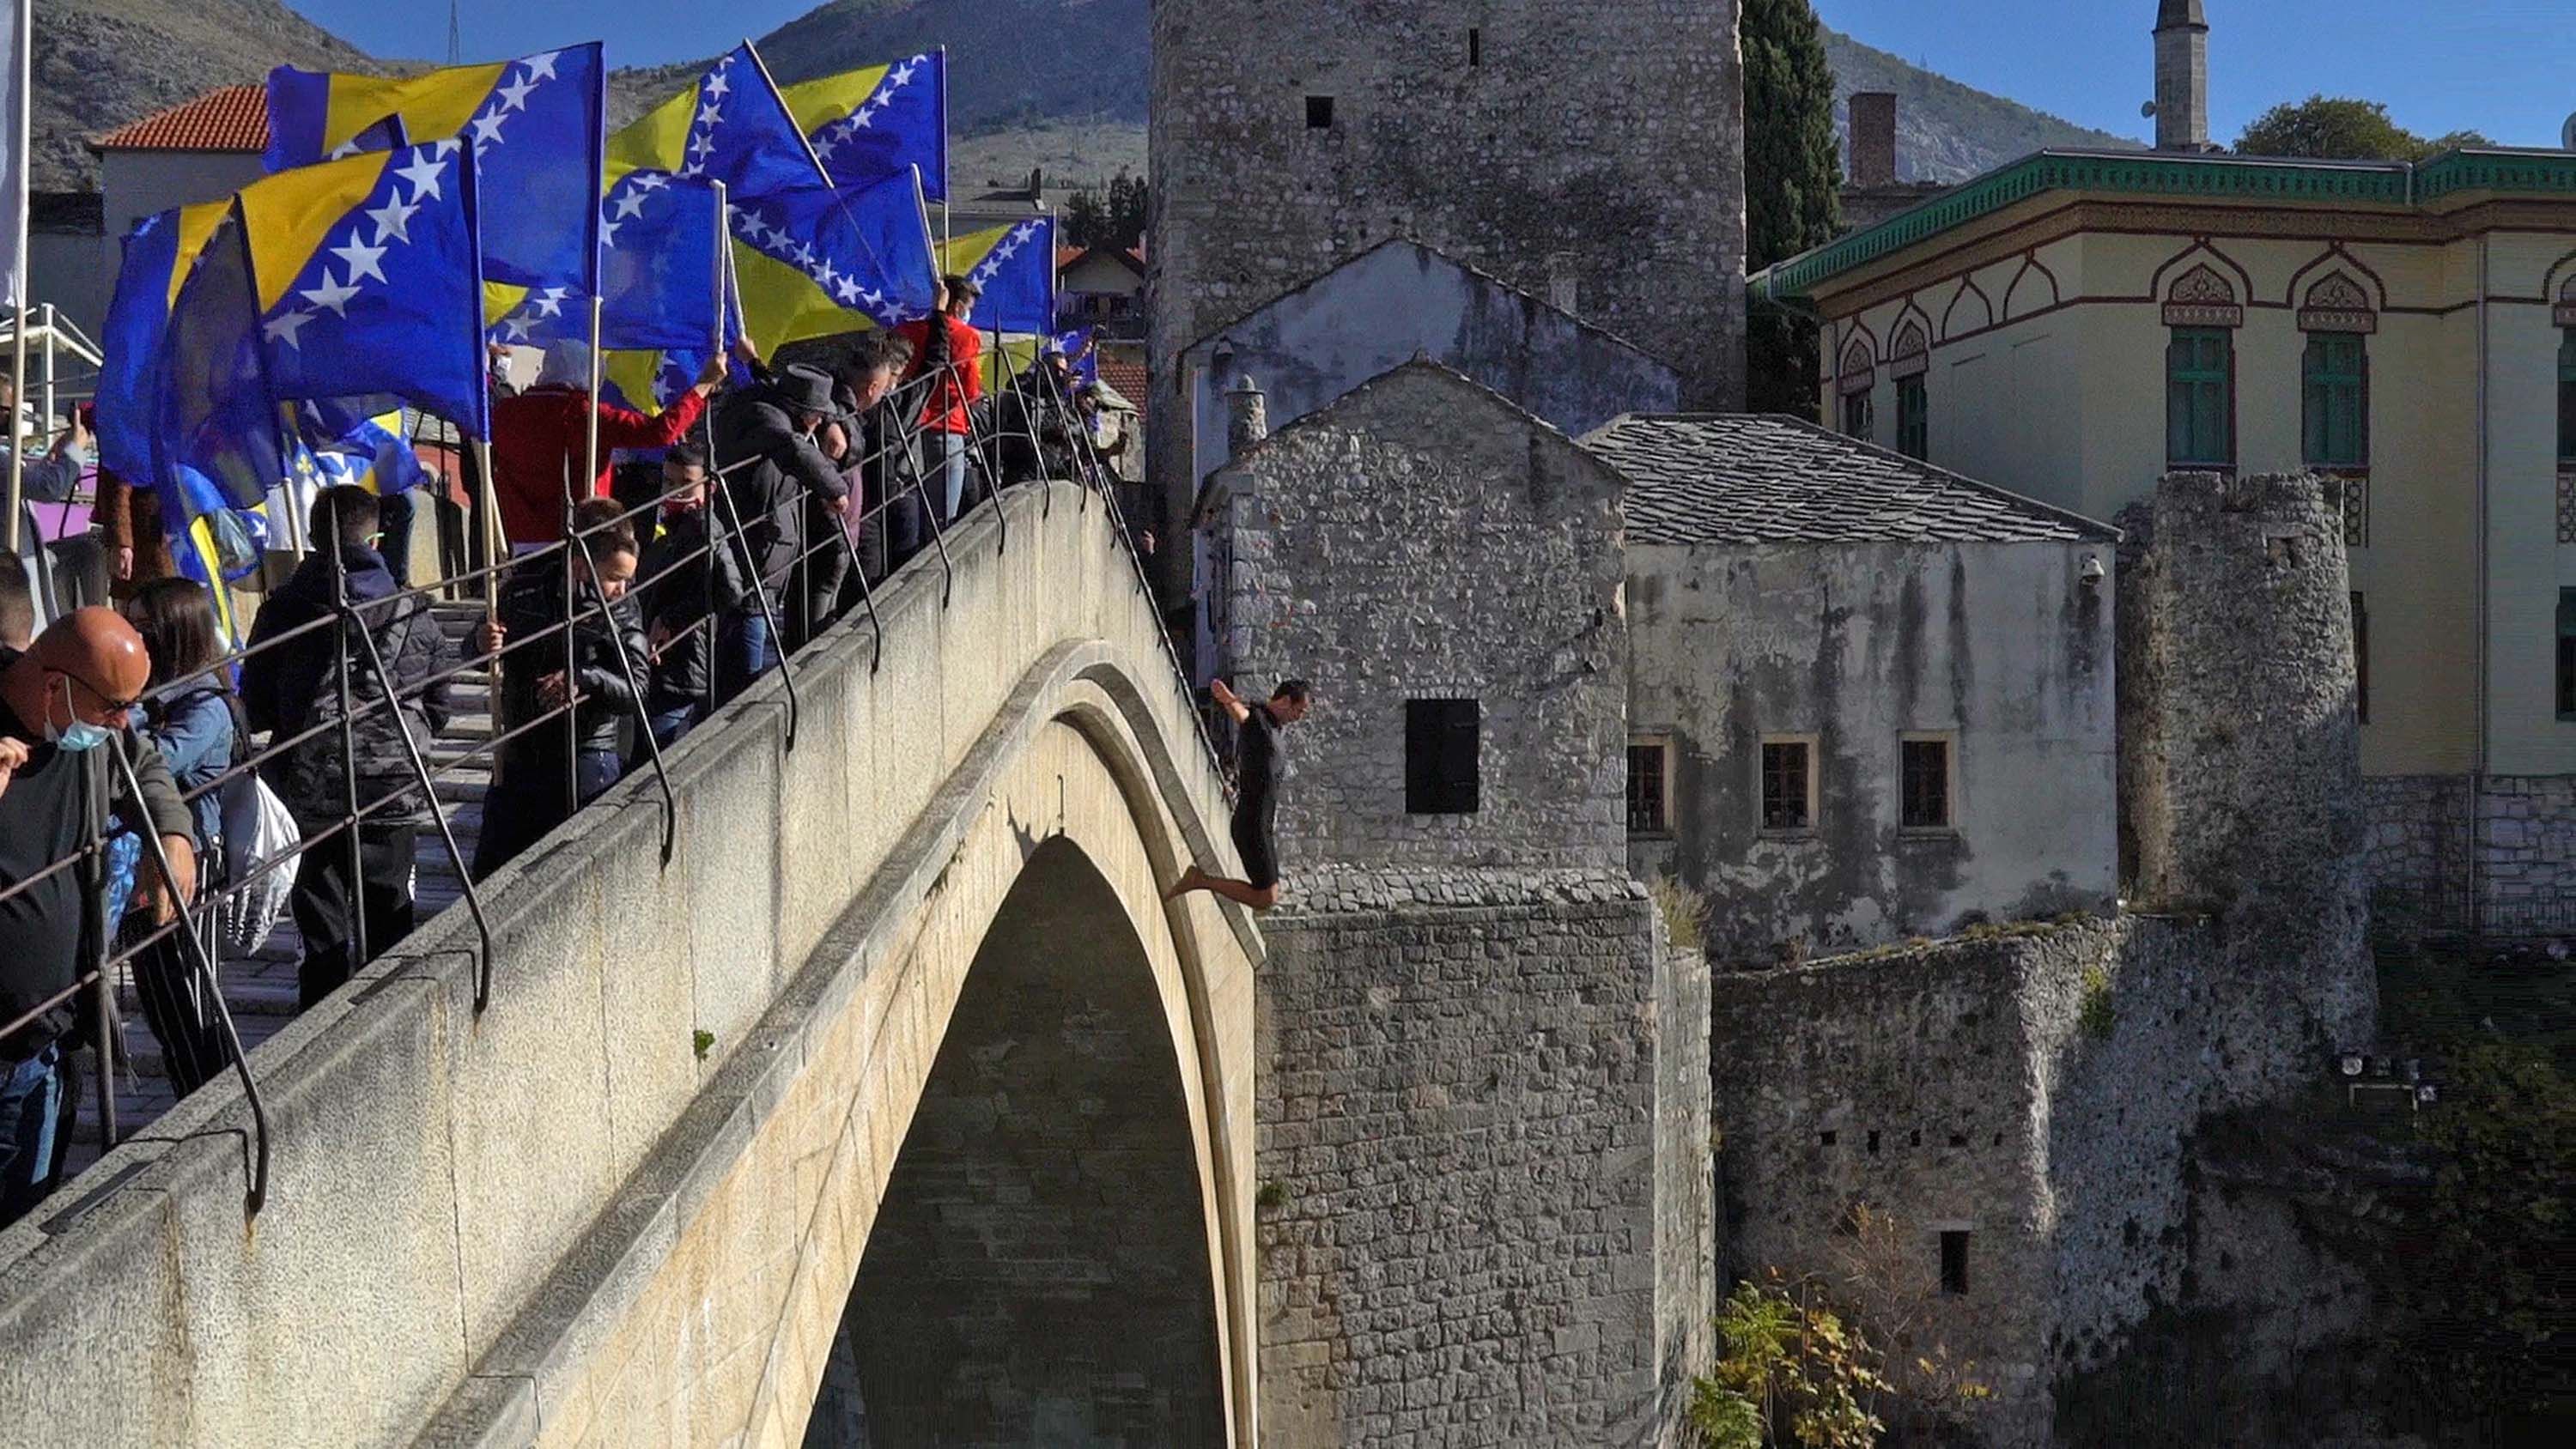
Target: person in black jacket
x=685, y=584
x=582, y=689
x=349, y=912
x=767, y=439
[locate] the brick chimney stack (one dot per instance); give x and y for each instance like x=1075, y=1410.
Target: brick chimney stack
x=2182, y=76
x=1873, y=139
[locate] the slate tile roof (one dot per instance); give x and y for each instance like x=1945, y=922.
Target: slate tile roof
x=229, y=118
x=1751, y=479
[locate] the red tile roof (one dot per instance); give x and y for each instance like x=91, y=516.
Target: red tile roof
x=232, y=118
x=1126, y=376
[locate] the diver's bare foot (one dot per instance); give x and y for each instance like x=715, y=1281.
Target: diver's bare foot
x=1191, y=879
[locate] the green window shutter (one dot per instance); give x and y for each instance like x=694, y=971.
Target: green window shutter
x=2335, y=401
x=1913, y=419
x=2567, y=397
x=2198, y=363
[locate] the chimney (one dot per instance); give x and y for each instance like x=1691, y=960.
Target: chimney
x=1873, y=138
x=2182, y=76
x=1247, y=417
x=1564, y=286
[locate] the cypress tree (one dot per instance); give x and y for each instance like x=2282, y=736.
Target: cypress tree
x=1792, y=188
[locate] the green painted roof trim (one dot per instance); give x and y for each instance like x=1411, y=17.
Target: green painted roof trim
x=2153, y=173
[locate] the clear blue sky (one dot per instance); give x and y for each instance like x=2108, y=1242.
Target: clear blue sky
x=2504, y=67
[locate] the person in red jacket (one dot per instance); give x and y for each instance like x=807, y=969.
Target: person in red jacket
x=539, y=437
x=949, y=354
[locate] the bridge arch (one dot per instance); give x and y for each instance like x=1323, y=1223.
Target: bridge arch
x=1039, y=1269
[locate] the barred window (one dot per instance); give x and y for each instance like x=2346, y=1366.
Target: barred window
x=1440, y=747
x=1924, y=784
x=1788, y=785
x=1913, y=419
x=1648, y=784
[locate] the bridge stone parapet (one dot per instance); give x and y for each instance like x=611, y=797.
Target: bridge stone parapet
x=627, y=1202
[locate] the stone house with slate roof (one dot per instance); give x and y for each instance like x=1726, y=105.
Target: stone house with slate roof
x=1868, y=698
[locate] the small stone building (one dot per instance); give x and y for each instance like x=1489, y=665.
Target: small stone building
x=1868, y=699
x=1483, y=1086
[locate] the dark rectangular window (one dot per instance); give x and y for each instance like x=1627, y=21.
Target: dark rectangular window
x=2334, y=378
x=1859, y=419
x=2361, y=659
x=1475, y=46
x=1954, y=1262
x=1440, y=756
x=2200, y=365
x=1646, y=788
x=2567, y=398
x=1319, y=113
x=1787, y=779
x=1913, y=419
x=1926, y=784
x=2567, y=653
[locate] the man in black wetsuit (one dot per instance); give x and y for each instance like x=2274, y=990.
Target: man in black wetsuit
x=1258, y=765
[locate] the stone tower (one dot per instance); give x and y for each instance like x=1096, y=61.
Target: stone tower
x=1596, y=143
x=2182, y=76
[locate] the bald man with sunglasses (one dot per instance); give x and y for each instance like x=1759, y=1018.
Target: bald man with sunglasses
x=63, y=703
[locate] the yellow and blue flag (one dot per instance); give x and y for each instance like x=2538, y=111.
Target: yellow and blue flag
x=158, y=255
x=731, y=128
x=657, y=274
x=370, y=282
x=371, y=453
x=537, y=125
x=1014, y=267
x=868, y=125
x=816, y=262
x=215, y=427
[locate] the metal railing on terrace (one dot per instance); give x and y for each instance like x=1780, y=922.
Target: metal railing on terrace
x=1029, y=431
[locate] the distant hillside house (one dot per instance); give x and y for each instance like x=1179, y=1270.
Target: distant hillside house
x=1868, y=699
x=1102, y=287
x=199, y=150
x=2077, y=323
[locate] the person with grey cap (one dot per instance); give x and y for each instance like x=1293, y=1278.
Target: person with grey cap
x=769, y=445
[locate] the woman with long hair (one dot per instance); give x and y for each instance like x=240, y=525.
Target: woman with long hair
x=189, y=716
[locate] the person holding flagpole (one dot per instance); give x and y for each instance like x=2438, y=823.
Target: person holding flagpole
x=945, y=346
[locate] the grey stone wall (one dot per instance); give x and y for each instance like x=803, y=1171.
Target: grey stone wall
x=2240, y=764
x=1604, y=139
x=2451, y=853
x=2527, y=854
x=2038, y=1091
x=1424, y=539
x=1458, y=1089
x=2420, y=846
x=2002, y=647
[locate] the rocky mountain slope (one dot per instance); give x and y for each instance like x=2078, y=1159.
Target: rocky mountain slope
x=1052, y=83
x=102, y=63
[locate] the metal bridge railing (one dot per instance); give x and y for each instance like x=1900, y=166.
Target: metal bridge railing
x=1043, y=424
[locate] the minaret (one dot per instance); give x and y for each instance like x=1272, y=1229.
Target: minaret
x=2182, y=76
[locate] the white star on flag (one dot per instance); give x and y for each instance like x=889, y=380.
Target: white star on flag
x=284, y=326
x=542, y=67
x=363, y=260
x=332, y=294
x=848, y=290
x=487, y=129
x=901, y=75
x=549, y=303
x=393, y=219
x=649, y=180
x=709, y=114
x=608, y=232
x=424, y=174
x=514, y=96
x=518, y=328
x=628, y=204
x=718, y=82
x=827, y=274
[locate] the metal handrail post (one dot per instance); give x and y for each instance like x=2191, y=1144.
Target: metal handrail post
x=429, y=795
x=256, y=1170
x=723, y=493
x=635, y=683
x=911, y=434
x=342, y=615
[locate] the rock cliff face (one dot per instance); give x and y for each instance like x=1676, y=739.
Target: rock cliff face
x=102, y=63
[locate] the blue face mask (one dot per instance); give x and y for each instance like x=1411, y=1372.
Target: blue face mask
x=77, y=736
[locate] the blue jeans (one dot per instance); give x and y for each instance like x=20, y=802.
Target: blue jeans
x=30, y=1100
x=595, y=770
x=744, y=651
x=667, y=725
x=943, y=467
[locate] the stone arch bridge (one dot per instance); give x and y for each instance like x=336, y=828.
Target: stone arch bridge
x=894, y=1100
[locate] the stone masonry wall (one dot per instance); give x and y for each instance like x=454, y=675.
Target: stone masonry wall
x=1423, y=539
x=2419, y=851
x=2240, y=760
x=2043, y=1101
x=1458, y=1087
x=1601, y=143
x=2527, y=855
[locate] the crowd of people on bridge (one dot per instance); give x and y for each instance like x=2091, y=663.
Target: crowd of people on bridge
x=157, y=783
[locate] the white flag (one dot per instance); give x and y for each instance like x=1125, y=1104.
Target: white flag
x=13, y=157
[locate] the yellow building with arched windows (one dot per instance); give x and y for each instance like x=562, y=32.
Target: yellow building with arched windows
x=2075, y=324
